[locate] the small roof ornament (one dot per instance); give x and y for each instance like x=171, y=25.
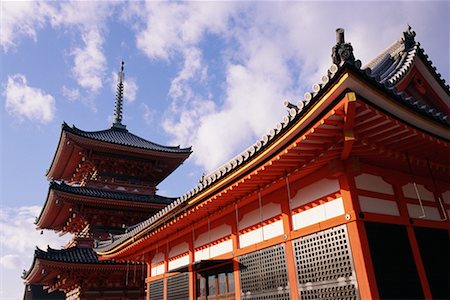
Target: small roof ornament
x=408, y=38
x=342, y=51
x=117, y=121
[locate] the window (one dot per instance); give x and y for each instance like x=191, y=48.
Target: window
x=216, y=283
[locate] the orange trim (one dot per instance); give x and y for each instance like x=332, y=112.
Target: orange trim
x=235, y=242
x=358, y=240
x=192, y=274
x=363, y=262
x=290, y=259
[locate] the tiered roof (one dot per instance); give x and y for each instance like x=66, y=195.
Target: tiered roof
x=383, y=73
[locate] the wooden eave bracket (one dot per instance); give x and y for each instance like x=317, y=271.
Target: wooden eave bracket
x=349, y=124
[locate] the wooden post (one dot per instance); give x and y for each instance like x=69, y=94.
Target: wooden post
x=290, y=259
x=358, y=240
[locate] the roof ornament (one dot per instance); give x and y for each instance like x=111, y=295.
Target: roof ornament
x=408, y=37
x=342, y=52
x=117, y=122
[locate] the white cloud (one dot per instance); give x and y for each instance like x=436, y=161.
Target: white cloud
x=19, y=234
x=23, y=101
x=271, y=52
x=130, y=86
x=71, y=94
x=148, y=114
x=18, y=239
x=170, y=27
x=89, y=61
x=10, y=261
x=21, y=18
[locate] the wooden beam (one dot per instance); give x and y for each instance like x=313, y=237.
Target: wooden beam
x=349, y=124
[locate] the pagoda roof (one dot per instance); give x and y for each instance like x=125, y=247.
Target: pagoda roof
x=55, y=213
x=109, y=194
x=295, y=114
x=121, y=136
x=395, y=62
x=70, y=257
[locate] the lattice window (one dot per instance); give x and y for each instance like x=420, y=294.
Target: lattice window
x=263, y=274
x=157, y=290
x=325, y=266
x=178, y=287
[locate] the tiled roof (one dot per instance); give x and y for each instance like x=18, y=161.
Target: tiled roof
x=72, y=255
x=101, y=193
x=295, y=112
x=122, y=136
x=391, y=65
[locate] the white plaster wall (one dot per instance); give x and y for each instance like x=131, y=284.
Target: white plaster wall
x=214, y=250
x=446, y=197
x=315, y=191
x=178, y=249
x=273, y=229
x=261, y=234
x=158, y=270
x=215, y=233
x=373, y=183
x=319, y=213
x=221, y=248
x=379, y=206
x=431, y=213
x=179, y=262
x=202, y=254
x=159, y=257
x=410, y=192
x=269, y=210
x=250, y=238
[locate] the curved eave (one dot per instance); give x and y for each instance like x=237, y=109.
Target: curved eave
x=70, y=140
x=352, y=79
x=34, y=274
x=54, y=215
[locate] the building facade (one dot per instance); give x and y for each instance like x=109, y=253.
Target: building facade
x=348, y=197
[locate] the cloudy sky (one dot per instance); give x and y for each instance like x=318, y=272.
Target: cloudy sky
x=211, y=75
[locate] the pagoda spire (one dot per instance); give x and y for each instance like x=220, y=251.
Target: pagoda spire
x=117, y=122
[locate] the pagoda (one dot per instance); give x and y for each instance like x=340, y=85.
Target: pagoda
x=101, y=183
x=348, y=197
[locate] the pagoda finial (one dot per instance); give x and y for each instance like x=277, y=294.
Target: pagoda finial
x=408, y=37
x=117, y=122
x=342, y=51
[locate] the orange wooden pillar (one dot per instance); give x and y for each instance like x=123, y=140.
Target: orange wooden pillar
x=192, y=275
x=290, y=259
x=359, y=244
x=412, y=241
x=149, y=274
x=235, y=242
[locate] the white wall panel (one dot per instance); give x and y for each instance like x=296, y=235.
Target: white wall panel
x=221, y=248
x=373, y=183
x=379, y=206
x=410, y=192
x=317, y=214
x=159, y=257
x=314, y=191
x=431, y=213
x=158, y=270
x=446, y=197
x=179, y=262
x=273, y=229
x=253, y=217
x=178, y=249
x=250, y=238
x=215, y=233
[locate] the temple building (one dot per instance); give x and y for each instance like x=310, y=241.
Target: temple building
x=101, y=184
x=348, y=197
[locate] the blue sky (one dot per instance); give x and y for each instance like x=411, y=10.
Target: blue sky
x=211, y=75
